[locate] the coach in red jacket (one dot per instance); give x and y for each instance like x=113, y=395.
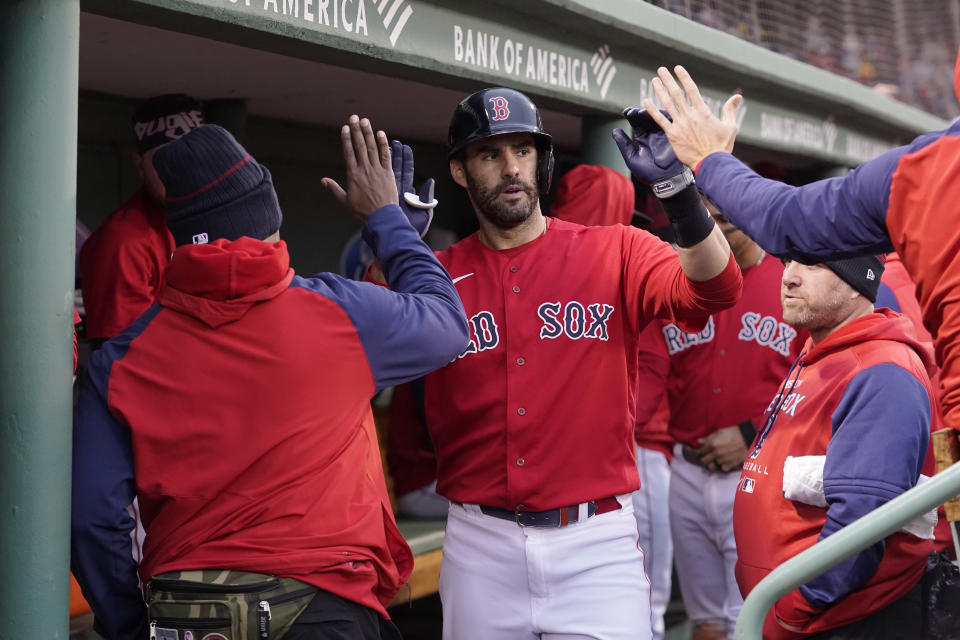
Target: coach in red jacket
x=123, y=261
x=237, y=408
x=859, y=395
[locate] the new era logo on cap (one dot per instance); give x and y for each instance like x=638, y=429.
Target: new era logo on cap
x=201, y=238
x=871, y=275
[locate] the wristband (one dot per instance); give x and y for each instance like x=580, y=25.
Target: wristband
x=688, y=216
x=672, y=186
x=748, y=432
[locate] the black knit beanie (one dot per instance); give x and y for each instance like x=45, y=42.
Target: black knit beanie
x=215, y=189
x=862, y=273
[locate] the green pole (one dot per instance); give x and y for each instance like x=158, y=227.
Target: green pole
x=39, y=55
x=876, y=525
x=596, y=144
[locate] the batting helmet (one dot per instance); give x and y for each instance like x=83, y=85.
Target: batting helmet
x=491, y=112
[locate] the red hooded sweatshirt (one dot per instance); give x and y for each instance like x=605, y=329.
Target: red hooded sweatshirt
x=863, y=398
x=238, y=408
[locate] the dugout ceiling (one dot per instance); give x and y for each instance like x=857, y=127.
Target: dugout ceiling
x=405, y=63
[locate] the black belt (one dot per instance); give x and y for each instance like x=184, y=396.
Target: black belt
x=559, y=517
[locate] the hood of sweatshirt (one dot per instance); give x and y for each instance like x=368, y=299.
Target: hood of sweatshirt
x=882, y=324
x=218, y=283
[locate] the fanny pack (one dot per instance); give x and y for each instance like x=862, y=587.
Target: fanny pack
x=218, y=604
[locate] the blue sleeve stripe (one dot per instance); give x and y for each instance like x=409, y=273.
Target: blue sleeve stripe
x=413, y=328
x=886, y=298
x=102, y=489
x=824, y=220
x=881, y=428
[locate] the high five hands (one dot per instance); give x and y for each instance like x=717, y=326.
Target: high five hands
x=370, y=182
x=694, y=132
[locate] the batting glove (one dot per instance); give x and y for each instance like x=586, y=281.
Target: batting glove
x=649, y=156
x=417, y=207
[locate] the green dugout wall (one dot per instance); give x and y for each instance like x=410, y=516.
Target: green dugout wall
x=581, y=60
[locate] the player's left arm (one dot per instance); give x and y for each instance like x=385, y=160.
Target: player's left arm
x=103, y=487
x=864, y=471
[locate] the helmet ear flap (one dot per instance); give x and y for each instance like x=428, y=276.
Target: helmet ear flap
x=545, y=168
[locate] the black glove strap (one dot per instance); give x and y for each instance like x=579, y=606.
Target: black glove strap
x=688, y=216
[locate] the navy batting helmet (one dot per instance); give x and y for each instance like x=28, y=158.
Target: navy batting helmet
x=495, y=111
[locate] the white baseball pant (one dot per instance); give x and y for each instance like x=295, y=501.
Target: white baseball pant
x=500, y=581
x=701, y=522
x=650, y=506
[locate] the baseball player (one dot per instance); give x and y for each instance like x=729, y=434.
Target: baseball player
x=902, y=200
x=123, y=261
x=721, y=380
x=533, y=422
x=598, y=195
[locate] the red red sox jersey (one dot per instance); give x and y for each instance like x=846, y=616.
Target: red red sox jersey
x=538, y=411
x=725, y=374
x=653, y=410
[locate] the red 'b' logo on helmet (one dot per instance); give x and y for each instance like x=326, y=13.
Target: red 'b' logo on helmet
x=500, y=108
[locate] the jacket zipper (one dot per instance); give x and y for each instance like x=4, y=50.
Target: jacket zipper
x=194, y=623
x=183, y=586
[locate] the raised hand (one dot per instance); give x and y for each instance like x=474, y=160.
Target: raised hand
x=370, y=181
x=649, y=156
x=418, y=207
x=694, y=132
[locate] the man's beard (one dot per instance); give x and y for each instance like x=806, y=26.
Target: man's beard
x=502, y=214
x=826, y=315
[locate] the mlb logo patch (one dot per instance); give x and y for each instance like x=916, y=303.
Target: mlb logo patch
x=201, y=238
x=748, y=485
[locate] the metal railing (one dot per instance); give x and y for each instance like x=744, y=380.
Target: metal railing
x=824, y=555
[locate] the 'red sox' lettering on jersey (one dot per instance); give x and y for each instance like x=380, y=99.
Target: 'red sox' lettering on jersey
x=550, y=375
x=574, y=320
x=768, y=331
x=749, y=338
x=678, y=339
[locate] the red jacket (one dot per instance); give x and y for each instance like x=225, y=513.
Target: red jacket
x=242, y=403
x=122, y=264
x=861, y=397
x=898, y=292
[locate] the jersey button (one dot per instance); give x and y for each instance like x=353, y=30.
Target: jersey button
x=520, y=361
x=514, y=269
x=716, y=390
x=522, y=411
x=521, y=462
x=723, y=352
x=516, y=289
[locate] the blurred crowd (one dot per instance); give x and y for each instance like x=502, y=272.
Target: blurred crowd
x=898, y=48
